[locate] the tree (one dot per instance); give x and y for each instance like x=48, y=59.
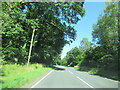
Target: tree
x=106, y=34
x=13, y=35
x=72, y=56
x=76, y=55
x=106, y=30
x=85, y=44
x=53, y=23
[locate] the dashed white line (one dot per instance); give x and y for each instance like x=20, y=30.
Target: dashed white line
x=82, y=80
x=85, y=82
x=70, y=72
x=42, y=79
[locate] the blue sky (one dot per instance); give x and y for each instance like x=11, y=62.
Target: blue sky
x=84, y=26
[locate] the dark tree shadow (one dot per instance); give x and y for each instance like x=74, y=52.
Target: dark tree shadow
x=57, y=68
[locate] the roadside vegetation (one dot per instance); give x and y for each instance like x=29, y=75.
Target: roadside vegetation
x=101, y=72
x=53, y=26
x=52, y=32
x=15, y=75
x=100, y=57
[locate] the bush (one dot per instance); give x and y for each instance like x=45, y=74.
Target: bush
x=106, y=61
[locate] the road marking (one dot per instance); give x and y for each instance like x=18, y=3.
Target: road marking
x=111, y=80
x=85, y=82
x=42, y=79
x=70, y=72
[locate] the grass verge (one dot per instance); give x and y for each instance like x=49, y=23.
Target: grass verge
x=104, y=73
x=76, y=67
x=14, y=76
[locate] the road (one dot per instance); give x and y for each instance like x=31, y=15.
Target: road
x=66, y=77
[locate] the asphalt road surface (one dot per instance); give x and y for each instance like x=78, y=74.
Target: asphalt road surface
x=66, y=77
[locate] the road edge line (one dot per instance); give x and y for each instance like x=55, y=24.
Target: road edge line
x=85, y=82
x=42, y=79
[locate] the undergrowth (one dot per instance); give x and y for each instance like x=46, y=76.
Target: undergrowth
x=101, y=72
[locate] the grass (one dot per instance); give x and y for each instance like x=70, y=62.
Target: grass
x=76, y=67
x=100, y=72
x=14, y=76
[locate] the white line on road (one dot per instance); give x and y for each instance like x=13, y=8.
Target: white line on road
x=42, y=79
x=70, y=72
x=85, y=82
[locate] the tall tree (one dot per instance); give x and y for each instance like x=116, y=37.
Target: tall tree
x=85, y=44
x=13, y=35
x=53, y=23
x=55, y=20
x=106, y=34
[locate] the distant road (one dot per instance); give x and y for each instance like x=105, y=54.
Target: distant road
x=65, y=77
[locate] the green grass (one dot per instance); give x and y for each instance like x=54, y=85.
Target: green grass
x=90, y=70
x=14, y=76
x=76, y=68
x=93, y=70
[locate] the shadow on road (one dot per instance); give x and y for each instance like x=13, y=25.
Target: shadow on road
x=58, y=68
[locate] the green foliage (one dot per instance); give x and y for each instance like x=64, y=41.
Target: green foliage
x=106, y=33
x=53, y=24
x=106, y=29
x=76, y=67
x=101, y=59
x=13, y=34
x=14, y=75
x=76, y=55
x=85, y=44
x=71, y=57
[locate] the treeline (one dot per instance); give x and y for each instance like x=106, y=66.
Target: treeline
x=103, y=53
x=53, y=24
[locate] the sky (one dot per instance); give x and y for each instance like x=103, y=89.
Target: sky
x=84, y=26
